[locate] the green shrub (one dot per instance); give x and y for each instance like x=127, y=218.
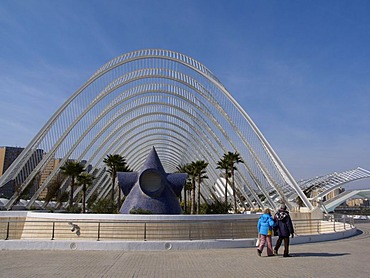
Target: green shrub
x=135, y=210
x=104, y=206
x=74, y=209
x=215, y=208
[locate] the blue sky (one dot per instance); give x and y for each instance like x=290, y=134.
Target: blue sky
x=300, y=69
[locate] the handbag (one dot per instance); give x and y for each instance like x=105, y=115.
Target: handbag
x=258, y=240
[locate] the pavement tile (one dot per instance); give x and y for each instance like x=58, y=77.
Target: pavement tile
x=339, y=258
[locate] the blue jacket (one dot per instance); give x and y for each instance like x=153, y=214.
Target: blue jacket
x=265, y=223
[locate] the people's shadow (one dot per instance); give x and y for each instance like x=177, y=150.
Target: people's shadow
x=321, y=254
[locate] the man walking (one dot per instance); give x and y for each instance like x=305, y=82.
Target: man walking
x=284, y=229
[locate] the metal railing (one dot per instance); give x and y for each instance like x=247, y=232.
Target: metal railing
x=329, y=223
x=155, y=230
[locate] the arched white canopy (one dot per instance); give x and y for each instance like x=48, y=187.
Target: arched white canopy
x=158, y=98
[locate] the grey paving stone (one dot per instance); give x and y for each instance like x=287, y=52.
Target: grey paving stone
x=341, y=258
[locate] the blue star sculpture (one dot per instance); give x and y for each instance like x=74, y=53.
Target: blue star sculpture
x=151, y=190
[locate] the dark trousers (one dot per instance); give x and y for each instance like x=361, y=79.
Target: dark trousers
x=286, y=244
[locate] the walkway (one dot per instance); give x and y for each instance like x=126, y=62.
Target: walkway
x=342, y=258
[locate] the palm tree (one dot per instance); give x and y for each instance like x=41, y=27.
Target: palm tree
x=114, y=162
x=190, y=170
x=223, y=164
x=85, y=179
x=72, y=169
x=187, y=194
x=181, y=168
x=233, y=158
x=53, y=189
x=199, y=171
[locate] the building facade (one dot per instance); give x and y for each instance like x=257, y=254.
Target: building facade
x=7, y=156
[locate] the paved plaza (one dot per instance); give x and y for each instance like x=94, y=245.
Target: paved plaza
x=340, y=258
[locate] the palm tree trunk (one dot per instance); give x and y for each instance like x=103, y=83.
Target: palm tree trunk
x=226, y=182
x=72, y=189
x=113, y=182
x=192, y=196
x=198, y=203
x=119, y=198
x=83, y=198
x=189, y=200
x=234, y=191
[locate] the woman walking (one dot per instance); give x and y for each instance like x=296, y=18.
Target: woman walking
x=264, y=227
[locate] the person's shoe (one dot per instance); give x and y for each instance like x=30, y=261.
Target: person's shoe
x=275, y=252
x=287, y=256
x=259, y=252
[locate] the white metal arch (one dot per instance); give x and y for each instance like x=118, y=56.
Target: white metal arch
x=332, y=181
x=178, y=97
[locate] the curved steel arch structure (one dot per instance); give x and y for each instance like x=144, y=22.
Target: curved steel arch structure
x=158, y=98
x=328, y=183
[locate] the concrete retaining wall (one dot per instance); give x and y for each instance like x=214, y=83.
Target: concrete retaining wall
x=212, y=238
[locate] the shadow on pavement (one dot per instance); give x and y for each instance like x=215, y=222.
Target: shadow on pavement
x=358, y=232
x=321, y=254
